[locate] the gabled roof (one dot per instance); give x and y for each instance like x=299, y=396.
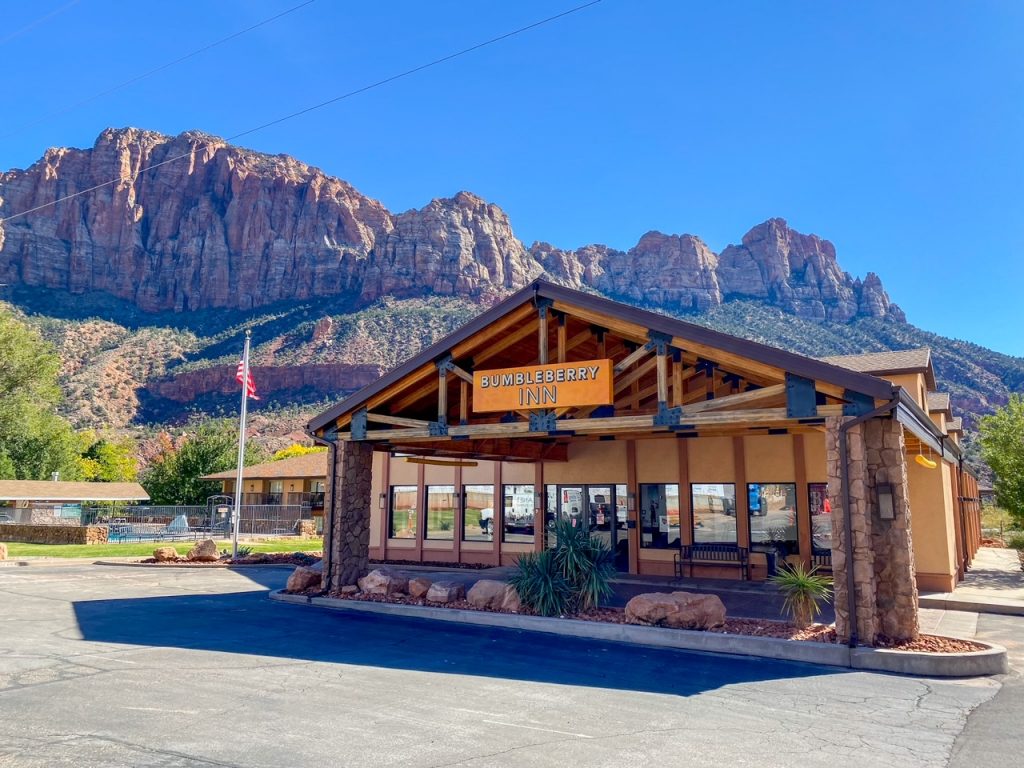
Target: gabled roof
x=308, y=465
x=938, y=402
x=60, y=490
x=955, y=425
x=697, y=335
x=889, y=363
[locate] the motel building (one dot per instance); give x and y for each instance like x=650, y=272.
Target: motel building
x=690, y=452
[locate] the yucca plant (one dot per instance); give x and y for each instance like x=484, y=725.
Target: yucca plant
x=586, y=562
x=804, y=590
x=541, y=586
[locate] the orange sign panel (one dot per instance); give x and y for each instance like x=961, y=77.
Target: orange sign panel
x=589, y=382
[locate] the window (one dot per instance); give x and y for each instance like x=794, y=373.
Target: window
x=441, y=512
x=714, y=513
x=402, y=524
x=659, y=516
x=517, y=514
x=478, y=513
x=773, y=525
x=821, y=519
x=550, y=513
x=276, y=492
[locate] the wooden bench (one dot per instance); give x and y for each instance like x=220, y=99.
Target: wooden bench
x=713, y=554
x=821, y=560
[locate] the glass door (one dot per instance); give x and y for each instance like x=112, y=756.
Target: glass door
x=600, y=510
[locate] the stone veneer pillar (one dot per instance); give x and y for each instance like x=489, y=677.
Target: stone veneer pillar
x=347, y=529
x=885, y=586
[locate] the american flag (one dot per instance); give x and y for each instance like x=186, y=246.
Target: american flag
x=250, y=385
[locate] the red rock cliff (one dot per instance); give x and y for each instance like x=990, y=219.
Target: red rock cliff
x=225, y=227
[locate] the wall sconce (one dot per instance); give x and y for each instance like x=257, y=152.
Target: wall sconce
x=380, y=501
x=537, y=501
x=886, y=511
x=631, y=501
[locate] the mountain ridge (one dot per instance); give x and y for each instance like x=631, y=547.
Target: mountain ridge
x=226, y=227
x=145, y=286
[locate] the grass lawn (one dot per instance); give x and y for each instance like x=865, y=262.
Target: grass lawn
x=145, y=548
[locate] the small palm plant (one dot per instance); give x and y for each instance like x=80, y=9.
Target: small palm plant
x=804, y=590
x=587, y=563
x=541, y=585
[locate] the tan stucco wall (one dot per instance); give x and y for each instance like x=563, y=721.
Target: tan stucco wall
x=914, y=383
x=711, y=460
x=931, y=523
x=814, y=457
x=769, y=459
x=589, y=462
x=657, y=461
x=513, y=473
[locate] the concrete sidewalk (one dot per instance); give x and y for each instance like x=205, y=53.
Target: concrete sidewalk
x=995, y=584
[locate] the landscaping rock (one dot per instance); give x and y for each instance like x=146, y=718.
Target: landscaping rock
x=419, y=586
x=381, y=581
x=349, y=589
x=3, y=551
x=445, y=592
x=303, y=578
x=204, y=552
x=165, y=554
x=680, y=610
x=492, y=595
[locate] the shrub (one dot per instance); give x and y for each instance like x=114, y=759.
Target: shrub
x=1016, y=541
x=573, y=576
x=804, y=590
x=586, y=562
x=541, y=585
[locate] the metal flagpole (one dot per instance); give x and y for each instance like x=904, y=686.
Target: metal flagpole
x=236, y=514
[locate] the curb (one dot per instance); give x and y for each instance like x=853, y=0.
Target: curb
x=206, y=566
x=992, y=661
x=1000, y=607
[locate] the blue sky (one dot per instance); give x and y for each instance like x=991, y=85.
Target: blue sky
x=896, y=130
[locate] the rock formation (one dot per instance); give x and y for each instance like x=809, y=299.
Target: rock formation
x=191, y=222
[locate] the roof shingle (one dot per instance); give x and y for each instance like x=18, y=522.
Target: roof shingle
x=308, y=465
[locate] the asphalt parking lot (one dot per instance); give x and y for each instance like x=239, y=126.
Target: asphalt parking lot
x=122, y=666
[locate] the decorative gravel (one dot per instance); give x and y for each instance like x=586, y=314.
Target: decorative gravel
x=816, y=633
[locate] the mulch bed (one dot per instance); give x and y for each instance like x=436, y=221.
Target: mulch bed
x=993, y=543
x=816, y=633
x=433, y=564
x=260, y=558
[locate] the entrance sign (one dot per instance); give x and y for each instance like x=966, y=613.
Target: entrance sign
x=588, y=382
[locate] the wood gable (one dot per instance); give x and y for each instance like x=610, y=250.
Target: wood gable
x=671, y=379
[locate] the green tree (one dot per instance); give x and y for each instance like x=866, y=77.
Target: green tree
x=297, y=449
x=1002, y=446
x=109, y=461
x=34, y=441
x=175, y=476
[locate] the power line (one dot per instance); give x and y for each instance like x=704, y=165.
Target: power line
x=155, y=70
x=307, y=110
x=32, y=25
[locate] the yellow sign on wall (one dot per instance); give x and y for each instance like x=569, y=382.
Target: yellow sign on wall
x=557, y=385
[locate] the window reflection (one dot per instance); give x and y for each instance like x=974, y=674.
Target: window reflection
x=478, y=513
x=773, y=518
x=714, y=513
x=821, y=519
x=402, y=524
x=517, y=522
x=659, y=516
x=441, y=512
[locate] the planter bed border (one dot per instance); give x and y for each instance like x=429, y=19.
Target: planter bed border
x=992, y=661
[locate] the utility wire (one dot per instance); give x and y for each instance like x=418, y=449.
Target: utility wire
x=155, y=70
x=32, y=25
x=307, y=110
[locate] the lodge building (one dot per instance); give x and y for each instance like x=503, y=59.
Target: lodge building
x=668, y=438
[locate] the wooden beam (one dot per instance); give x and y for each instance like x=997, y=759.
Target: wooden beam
x=500, y=346
x=637, y=354
x=562, y=339
x=463, y=402
x=542, y=335
x=398, y=421
x=743, y=399
x=763, y=417
x=622, y=382
x=462, y=374
x=442, y=395
x=677, y=382
x=662, y=361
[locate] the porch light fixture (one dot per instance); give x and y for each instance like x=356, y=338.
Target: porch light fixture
x=381, y=500
x=886, y=511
